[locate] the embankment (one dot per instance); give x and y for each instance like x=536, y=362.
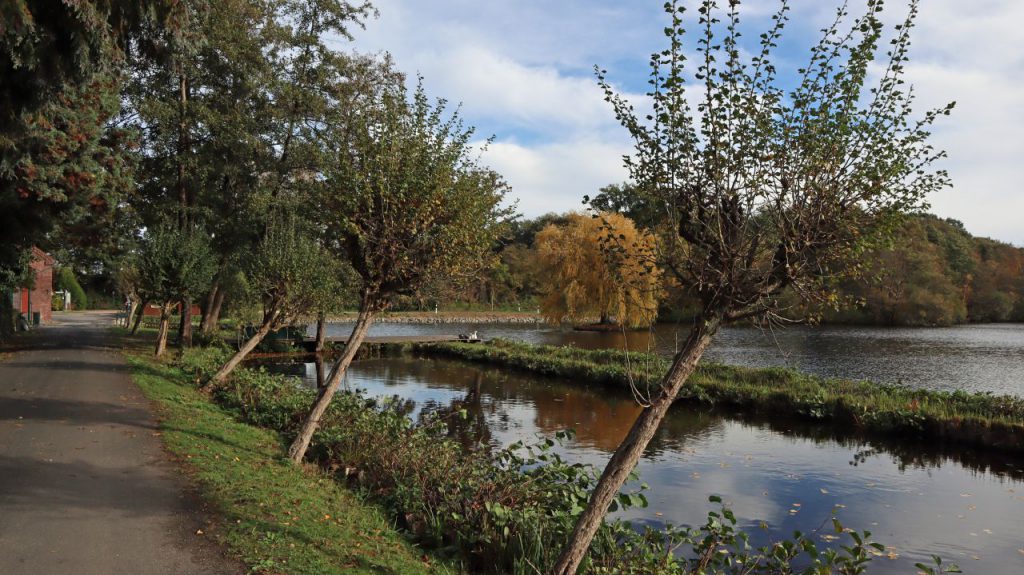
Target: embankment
x=977, y=420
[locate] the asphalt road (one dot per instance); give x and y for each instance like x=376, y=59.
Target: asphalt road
x=85, y=485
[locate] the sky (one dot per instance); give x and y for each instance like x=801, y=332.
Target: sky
x=523, y=73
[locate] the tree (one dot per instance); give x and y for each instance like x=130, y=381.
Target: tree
x=173, y=265
x=292, y=277
x=624, y=199
x=764, y=188
x=598, y=266
x=406, y=203
x=231, y=123
x=57, y=61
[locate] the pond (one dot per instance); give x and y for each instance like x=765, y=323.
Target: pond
x=980, y=357
x=917, y=499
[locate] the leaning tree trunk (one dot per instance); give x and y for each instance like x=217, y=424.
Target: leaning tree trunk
x=297, y=451
x=161, y=335
x=270, y=320
x=138, y=318
x=628, y=453
x=321, y=332
x=132, y=303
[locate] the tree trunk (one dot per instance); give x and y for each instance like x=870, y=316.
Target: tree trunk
x=212, y=319
x=138, y=318
x=320, y=376
x=321, y=332
x=297, y=451
x=628, y=453
x=131, y=313
x=183, y=148
x=266, y=327
x=161, y=335
x=207, y=307
x=185, y=327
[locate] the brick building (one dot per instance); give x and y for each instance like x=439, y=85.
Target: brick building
x=29, y=302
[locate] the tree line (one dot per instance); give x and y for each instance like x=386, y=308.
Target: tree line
x=930, y=272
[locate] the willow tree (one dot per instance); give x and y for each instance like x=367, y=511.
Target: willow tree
x=599, y=266
x=405, y=202
x=767, y=183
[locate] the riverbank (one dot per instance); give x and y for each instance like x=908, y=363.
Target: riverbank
x=976, y=420
x=278, y=518
x=488, y=510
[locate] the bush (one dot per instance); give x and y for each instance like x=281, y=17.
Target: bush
x=66, y=281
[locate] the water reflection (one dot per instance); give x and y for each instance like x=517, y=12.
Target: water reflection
x=921, y=498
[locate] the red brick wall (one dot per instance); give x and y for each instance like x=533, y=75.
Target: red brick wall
x=42, y=292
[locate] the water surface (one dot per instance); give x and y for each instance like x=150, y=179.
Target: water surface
x=980, y=357
x=918, y=499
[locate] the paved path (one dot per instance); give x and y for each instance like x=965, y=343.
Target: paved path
x=85, y=486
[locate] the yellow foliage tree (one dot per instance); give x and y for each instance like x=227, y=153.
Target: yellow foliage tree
x=598, y=266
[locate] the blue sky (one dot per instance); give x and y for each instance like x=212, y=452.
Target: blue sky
x=523, y=72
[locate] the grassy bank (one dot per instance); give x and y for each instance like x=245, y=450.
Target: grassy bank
x=980, y=420
x=276, y=517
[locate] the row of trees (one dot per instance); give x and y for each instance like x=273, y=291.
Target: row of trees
x=230, y=154
x=932, y=272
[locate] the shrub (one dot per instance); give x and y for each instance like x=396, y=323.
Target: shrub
x=66, y=281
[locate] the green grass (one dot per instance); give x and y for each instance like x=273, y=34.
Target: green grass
x=979, y=420
x=278, y=518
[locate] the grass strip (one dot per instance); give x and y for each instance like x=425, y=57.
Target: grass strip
x=980, y=420
x=278, y=518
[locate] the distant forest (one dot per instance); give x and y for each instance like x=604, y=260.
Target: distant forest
x=932, y=273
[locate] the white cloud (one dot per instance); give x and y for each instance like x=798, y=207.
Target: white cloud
x=522, y=70
x=503, y=91
x=554, y=177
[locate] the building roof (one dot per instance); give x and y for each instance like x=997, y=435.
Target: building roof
x=39, y=254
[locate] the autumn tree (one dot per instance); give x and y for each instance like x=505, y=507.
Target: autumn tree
x=598, y=266
x=404, y=201
x=767, y=183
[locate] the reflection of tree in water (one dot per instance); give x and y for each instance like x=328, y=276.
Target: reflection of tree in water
x=464, y=418
x=904, y=451
x=928, y=456
x=601, y=416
